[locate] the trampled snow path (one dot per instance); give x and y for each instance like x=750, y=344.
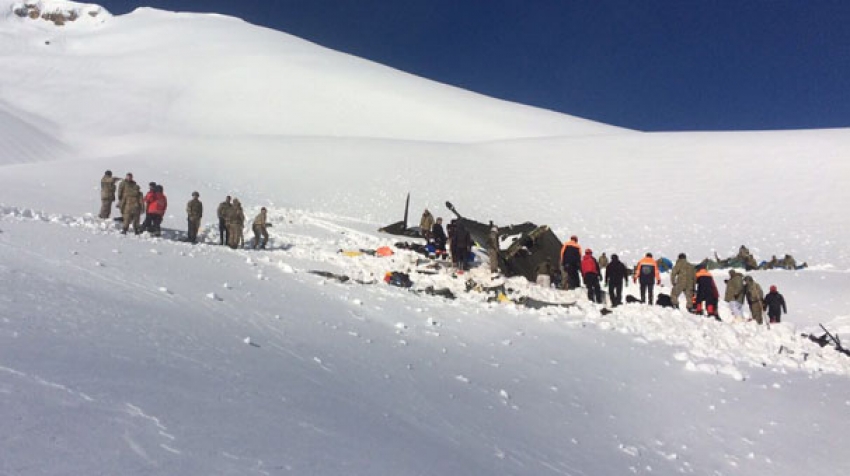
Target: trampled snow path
x=302, y=242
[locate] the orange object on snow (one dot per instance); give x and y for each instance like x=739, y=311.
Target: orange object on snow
x=384, y=251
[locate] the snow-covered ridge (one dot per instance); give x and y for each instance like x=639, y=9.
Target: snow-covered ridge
x=58, y=12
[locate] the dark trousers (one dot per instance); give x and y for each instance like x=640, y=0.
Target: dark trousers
x=615, y=292
x=222, y=231
x=572, y=275
x=774, y=318
x=594, y=290
x=193, y=225
x=644, y=288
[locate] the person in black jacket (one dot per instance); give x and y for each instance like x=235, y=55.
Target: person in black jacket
x=706, y=293
x=775, y=304
x=461, y=246
x=438, y=235
x=616, y=275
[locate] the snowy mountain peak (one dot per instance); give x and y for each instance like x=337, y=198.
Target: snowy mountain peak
x=58, y=12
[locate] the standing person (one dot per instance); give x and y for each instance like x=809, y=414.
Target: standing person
x=616, y=275
x=150, y=207
x=683, y=279
x=235, y=222
x=259, y=229
x=647, y=271
x=107, y=194
x=123, y=186
x=156, y=211
x=130, y=204
x=223, y=208
x=735, y=293
x=775, y=304
x=426, y=223
x=194, y=210
x=571, y=263
x=439, y=237
x=461, y=244
x=603, y=261
x=755, y=298
x=493, y=248
x=706, y=292
x=590, y=274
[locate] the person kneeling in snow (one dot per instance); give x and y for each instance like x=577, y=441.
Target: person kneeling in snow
x=706, y=293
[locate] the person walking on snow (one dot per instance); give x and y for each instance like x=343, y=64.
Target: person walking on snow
x=259, y=229
x=194, y=212
x=755, y=298
x=107, y=194
x=647, y=272
x=590, y=274
x=616, y=275
x=682, y=278
x=734, y=295
x=222, y=211
x=775, y=304
x=571, y=263
x=603, y=261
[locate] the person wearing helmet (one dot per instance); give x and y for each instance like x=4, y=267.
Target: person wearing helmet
x=775, y=304
x=194, y=210
x=590, y=273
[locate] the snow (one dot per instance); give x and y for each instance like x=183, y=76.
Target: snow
x=136, y=355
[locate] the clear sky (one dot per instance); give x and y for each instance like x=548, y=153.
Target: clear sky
x=643, y=64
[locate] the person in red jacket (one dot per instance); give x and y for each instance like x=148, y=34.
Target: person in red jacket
x=160, y=204
x=149, y=200
x=590, y=273
x=647, y=272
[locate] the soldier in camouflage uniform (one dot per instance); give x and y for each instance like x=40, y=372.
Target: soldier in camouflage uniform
x=235, y=221
x=107, y=194
x=683, y=280
x=194, y=210
x=259, y=229
x=121, y=187
x=223, y=207
x=130, y=204
x=603, y=261
x=755, y=298
x=735, y=293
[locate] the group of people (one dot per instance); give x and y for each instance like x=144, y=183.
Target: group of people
x=458, y=240
x=694, y=281
x=131, y=204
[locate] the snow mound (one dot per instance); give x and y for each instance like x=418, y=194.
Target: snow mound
x=58, y=12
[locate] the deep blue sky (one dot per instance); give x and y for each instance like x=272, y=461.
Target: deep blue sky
x=643, y=64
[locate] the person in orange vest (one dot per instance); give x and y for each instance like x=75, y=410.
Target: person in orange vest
x=706, y=292
x=571, y=263
x=647, y=271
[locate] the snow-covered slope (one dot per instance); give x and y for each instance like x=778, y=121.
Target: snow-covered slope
x=157, y=71
x=134, y=355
